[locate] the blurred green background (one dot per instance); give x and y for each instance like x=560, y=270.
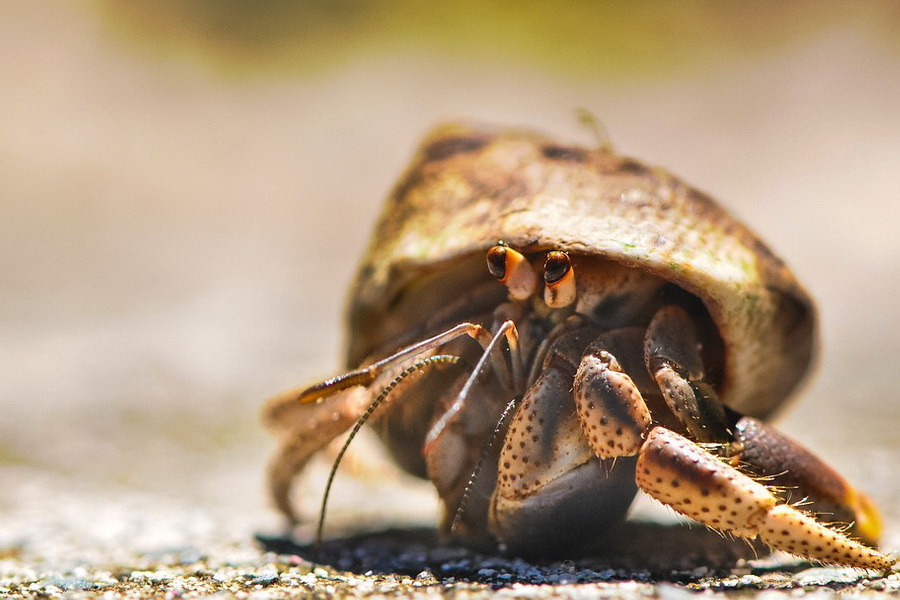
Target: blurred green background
x=630, y=40
x=186, y=187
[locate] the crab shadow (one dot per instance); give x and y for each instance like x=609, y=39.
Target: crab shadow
x=633, y=551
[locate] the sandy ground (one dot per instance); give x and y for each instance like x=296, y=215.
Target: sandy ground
x=175, y=245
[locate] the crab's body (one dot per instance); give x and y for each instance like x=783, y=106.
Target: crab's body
x=661, y=323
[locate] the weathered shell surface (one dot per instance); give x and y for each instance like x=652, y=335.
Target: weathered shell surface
x=469, y=187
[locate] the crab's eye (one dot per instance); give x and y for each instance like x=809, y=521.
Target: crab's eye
x=559, y=280
x=512, y=269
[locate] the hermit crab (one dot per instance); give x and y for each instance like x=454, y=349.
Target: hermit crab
x=541, y=329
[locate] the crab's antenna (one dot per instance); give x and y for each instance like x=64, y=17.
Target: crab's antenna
x=461, y=508
x=431, y=360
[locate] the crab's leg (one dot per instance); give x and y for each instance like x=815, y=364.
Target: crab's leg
x=799, y=475
x=368, y=374
x=673, y=356
x=507, y=330
x=547, y=473
x=680, y=474
x=610, y=407
x=303, y=430
x=307, y=419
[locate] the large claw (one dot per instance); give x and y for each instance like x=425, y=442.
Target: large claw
x=680, y=474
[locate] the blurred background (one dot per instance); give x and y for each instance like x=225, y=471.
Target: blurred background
x=186, y=187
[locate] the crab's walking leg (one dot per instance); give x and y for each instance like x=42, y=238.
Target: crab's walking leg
x=508, y=330
x=303, y=430
x=798, y=474
x=547, y=473
x=548, y=476
x=307, y=419
x=673, y=356
x=677, y=472
x=367, y=375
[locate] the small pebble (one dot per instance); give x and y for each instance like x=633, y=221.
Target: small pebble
x=264, y=580
x=668, y=591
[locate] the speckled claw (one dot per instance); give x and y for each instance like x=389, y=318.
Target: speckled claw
x=682, y=475
x=612, y=412
x=786, y=528
x=797, y=473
